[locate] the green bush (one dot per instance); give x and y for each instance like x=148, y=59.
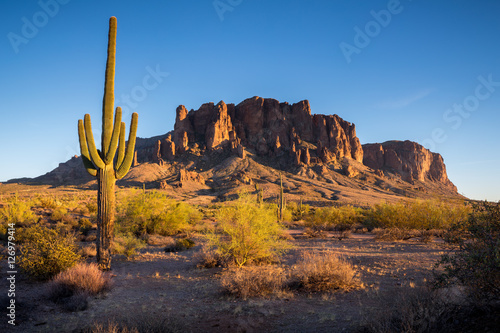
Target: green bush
x=247, y=232
x=47, y=202
x=419, y=215
x=299, y=210
x=91, y=207
x=45, y=252
x=59, y=214
x=180, y=245
x=127, y=244
x=154, y=213
x=333, y=218
x=476, y=262
x=17, y=211
x=84, y=225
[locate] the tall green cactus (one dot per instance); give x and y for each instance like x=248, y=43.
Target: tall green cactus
x=260, y=194
x=102, y=163
x=281, y=200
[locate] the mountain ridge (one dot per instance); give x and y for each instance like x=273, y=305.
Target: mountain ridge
x=218, y=149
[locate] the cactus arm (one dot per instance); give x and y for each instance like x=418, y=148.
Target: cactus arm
x=121, y=145
x=110, y=155
x=129, y=154
x=89, y=166
x=109, y=93
x=94, y=154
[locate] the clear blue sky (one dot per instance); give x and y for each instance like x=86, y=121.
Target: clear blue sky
x=399, y=78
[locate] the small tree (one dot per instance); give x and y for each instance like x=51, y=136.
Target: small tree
x=45, y=252
x=476, y=262
x=248, y=232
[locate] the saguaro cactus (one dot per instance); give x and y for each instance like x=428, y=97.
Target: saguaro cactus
x=281, y=200
x=102, y=163
x=260, y=194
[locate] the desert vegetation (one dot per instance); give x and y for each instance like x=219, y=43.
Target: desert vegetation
x=250, y=255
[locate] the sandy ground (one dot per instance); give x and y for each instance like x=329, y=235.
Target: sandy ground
x=168, y=286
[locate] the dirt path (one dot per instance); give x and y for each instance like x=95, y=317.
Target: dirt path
x=160, y=286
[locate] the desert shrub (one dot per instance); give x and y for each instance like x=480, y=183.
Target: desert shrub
x=180, y=245
x=126, y=244
x=341, y=218
x=254, y=281
x=154, y=213
x=45, y=252
x=157, y=240
x=299, y=210
x=111, y=327
x=143, y=322
x=476, y=262
x=247, y=232
x=58, y=214
x=91, y=206
x=208, y=257
x=81, y=279
x=321, y=271
x=412, y=309
x=89, y=250
x=16, y=211
x=417, y=215
x=392, y=234
x=84, y=225
x=47, y=201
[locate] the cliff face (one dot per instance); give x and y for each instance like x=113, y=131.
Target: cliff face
x=408, y=159
x=267, y=127
x=203, y=149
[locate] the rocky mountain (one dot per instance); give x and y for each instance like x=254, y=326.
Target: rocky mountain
x=409, y=160
x=220, y=148
x=267, y=128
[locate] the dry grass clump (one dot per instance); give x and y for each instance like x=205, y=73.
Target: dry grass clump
x=254, y=281
x=72, y=287
x=86, y=278
x=208, y=257
x=157, y=240
x=315, y=271
x=89, y=251
x=142, y=323
x=111, y=328
x=392, y=234
x=180, y=245
x=321, y=271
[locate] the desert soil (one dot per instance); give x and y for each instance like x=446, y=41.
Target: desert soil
x=168, y=286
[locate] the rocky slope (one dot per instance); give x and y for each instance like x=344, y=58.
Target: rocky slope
x=409, y=160
x=216, y=150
